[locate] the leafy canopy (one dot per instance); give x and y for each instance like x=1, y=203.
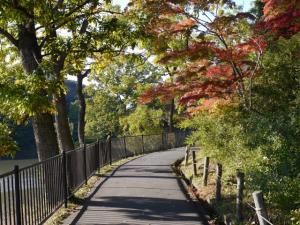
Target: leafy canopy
x=210, y=45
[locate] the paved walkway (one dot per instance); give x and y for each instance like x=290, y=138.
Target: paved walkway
x=141, y=192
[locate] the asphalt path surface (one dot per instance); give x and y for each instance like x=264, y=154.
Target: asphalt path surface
x=144, y=191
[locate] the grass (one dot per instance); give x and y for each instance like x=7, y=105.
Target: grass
x=62, y=213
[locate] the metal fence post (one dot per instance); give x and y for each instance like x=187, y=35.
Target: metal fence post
x=98, y=153
x=260, y=207
x=100, y=156
x=109, y=150
x=84, y=164
x=17, y=194
x=65, y=179
x=194, y=163
x=125, y=150
x=143, y=145
x=239, y=197
x=205, y=170
x=162, y=141
x=218, y=181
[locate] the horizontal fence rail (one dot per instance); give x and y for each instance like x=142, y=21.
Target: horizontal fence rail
x=30, y=195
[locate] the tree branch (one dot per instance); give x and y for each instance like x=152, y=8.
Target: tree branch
x=21, y=9
x=9, y=36
x=68, y=19
x=85, y=74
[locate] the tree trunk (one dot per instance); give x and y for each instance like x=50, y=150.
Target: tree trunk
x=45, y=136
x=172, y=103
x=82, y=107
x=63, y=130
x=44, y=131
x=171, y=115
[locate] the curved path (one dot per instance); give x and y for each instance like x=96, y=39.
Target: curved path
x=143, y=191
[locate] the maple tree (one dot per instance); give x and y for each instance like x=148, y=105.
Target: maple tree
x=215, y=53
x=281, y=17
x=212, y=47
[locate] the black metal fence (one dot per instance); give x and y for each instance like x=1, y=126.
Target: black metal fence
x=32, y=194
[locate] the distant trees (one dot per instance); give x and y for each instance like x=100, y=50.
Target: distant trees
x=103, y=114
x=143, y=120
x=112, y=99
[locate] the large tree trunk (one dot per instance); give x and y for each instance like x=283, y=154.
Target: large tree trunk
x=43, y=123
x=44, y=131
x=45, y=136
x=63, y=130
x=82, y=108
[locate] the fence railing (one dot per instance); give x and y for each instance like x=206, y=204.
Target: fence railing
x=32, y=194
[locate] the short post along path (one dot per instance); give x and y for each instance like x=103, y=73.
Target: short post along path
x=144, y=191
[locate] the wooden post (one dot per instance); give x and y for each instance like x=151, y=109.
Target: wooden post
x=187, y=154
x=260, y=208
x=194, y=163
x=227, y=220
x=239, y=197
x=218, y=181
x=205, y=170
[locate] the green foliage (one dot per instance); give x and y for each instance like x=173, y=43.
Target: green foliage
x=222, y=136
x=295, y=217
x=143, y=120
x=103, y=112
x=125, y=76
x=8, y=146
x=119, y=82
x=263, y=142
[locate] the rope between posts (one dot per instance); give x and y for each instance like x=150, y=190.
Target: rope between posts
x=249, y=205
x=256, y=209
x=222, y=178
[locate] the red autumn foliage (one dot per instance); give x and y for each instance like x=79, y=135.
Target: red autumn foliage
x=281, y=17
x=218, y=71
x=183, y=25
x=213, y=64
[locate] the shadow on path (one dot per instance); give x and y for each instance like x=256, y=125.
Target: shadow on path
x=140, y=194
x=91, y=195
